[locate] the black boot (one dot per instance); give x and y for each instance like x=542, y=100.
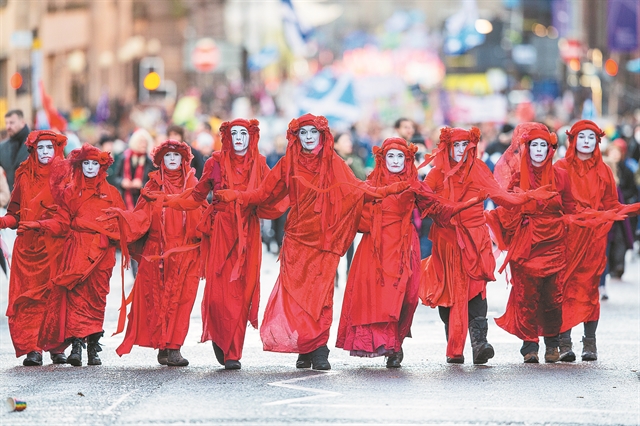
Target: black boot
x=33, y=359
x=395, y=359
x=75, y=357
x=482, y=350
x=566, y=353
x=231, y=364
x=175, y=359
x=163, y=354
x=60, y=358
x=589, y=350
x=218, y=352
x=304, y=361
x=93, y=347
x=320, y=358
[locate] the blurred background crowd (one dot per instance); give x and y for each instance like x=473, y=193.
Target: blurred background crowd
x=127, y=74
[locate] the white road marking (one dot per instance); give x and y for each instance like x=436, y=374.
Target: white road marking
x=320, y=393
x=116, y=403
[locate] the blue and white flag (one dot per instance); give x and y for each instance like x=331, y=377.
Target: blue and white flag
x=331, y=96
x=296, y=34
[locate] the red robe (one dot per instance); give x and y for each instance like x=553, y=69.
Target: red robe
x=462, y=259
x=535, y=237
x=165, y=289
x=35, y=259
x=378, y=305
x=593, y=187
x=78, y=298
x=300, y=309
x=231, y=300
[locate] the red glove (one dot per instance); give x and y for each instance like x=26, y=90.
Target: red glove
x=227, y=195
x=29, y=226
x=394, y=188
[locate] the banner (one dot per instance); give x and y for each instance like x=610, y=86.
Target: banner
x=622, y=25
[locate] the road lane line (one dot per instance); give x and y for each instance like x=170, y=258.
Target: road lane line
x=116, y=403
x=320, y=393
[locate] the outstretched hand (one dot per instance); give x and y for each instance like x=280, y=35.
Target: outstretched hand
x=28, y=225
x=397, y=187
x=541, y=194
x=226, y=195
x=109, y=213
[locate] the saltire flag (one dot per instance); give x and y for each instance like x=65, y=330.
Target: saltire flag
x=331, y=96
x=296, y=34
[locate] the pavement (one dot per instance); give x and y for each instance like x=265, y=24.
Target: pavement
x=134, y=389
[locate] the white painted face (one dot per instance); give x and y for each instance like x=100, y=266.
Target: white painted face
x=395, y=160
x=240, y=139
x=45, y=151
x=457, y=150
x=538, y=150
x=172, y=160
x=309, y=137
x=586, y=142
x=90, y=168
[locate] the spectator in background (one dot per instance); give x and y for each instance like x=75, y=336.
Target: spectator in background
x=204, y=140
x=275, y=232
x=496, y=148
x=176, y=133
x=5, y=194
x=133, y=167
x=404, y=128
x=621, y=234
x=106, y=144
x=343, y=145
x=13, y=150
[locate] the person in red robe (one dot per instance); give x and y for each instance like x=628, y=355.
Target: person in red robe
x=594, y=189
x=326, y=202
x=166, y=285
x=534, y=237
x=232, y=269
x=35, y=255
x=380, y=301
x=76, y=305
x=455, y=276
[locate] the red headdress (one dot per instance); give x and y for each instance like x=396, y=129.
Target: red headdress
x=88, y=152
x=515, y=163
x=227, y=153
x=170, y=145
x=441, y=156
x=31, y=165
x=320, y=160
x=231, y=162
x=572, y=134
x=380, y=174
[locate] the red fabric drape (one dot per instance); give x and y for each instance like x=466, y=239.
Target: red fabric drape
x=77, y=301
x=379, y=302
x=535, y=238
x=166, y=286
x=35, y=255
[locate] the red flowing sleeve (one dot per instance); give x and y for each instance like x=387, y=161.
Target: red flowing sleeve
x=12, y=218
x=272, y=189
x=60, y=224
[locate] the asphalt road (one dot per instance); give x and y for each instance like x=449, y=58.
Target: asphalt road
x=269, y=390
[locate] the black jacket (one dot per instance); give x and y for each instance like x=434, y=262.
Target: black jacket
x=14, y=145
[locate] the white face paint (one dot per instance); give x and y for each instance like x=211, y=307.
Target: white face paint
x=90, y=168
x=538, y=150
x=586, y=142
x=172, y=160
x=457, y=150
x=240, y=139
x=309, y=137
x=45, y=151
x=395, y=160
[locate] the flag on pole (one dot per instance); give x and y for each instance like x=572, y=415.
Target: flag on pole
x=296, y=33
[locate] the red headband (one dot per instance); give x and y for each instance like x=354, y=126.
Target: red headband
x=45, y=135
x=181, y=148
x=585, y=125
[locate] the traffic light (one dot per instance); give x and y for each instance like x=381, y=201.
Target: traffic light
x=20, y=81
x=151, y=79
